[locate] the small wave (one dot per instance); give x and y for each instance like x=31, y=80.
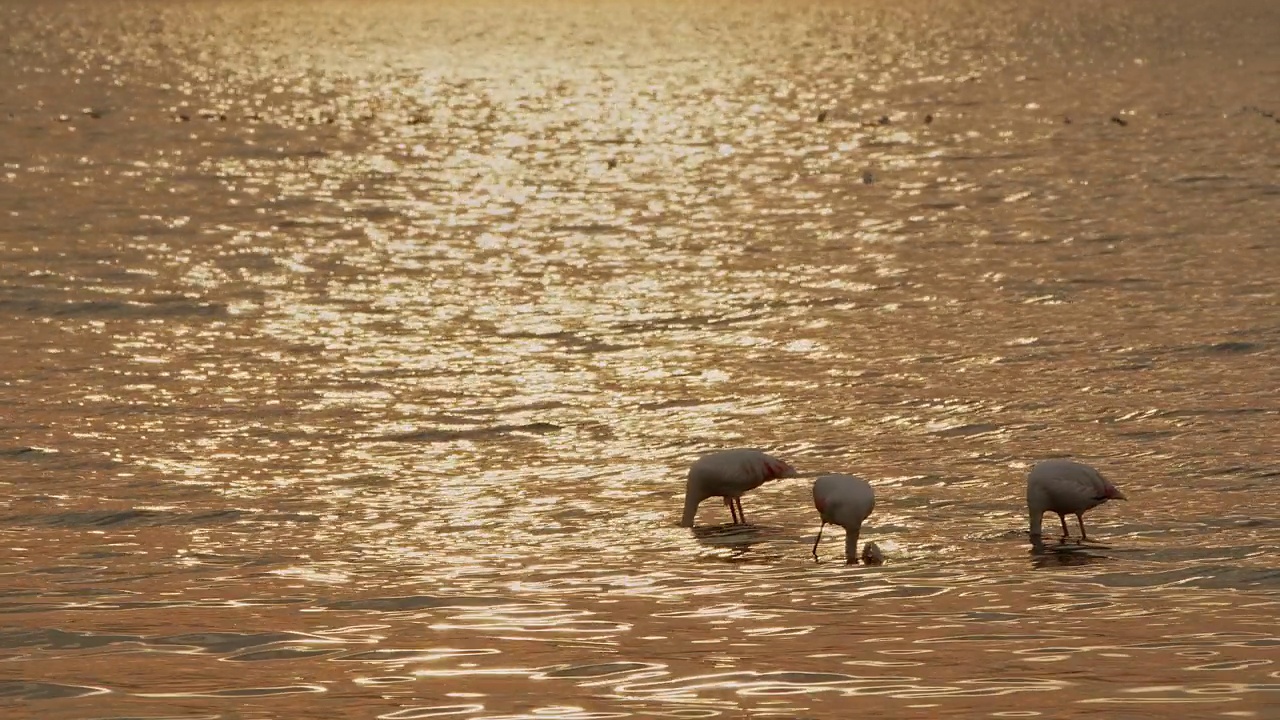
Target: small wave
x=22, y=690
x=157, y=308
x=132, y=516
x=417, y=602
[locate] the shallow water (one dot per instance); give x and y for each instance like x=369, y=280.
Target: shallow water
x=353, y=354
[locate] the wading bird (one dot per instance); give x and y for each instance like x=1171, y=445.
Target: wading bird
x=1062, y=487
x=846, y=501
x=729, y=474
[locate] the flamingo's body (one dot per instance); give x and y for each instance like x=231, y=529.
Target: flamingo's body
x=1065, y=487
x=729, y=474
x=846, y=501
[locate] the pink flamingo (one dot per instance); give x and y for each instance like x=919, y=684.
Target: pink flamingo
x=729, y=474
x=1065, y=486
x=846, y=501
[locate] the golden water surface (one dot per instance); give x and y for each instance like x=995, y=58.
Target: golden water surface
x=352, y=355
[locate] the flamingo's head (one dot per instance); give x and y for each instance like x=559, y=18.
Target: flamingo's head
x=1113, y=493
x=779, y=469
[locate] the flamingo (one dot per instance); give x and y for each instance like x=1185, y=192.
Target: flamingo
x=1065, y=486
x=846, y=501
x=729, y=474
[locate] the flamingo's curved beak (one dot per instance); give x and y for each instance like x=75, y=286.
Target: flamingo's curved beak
x=1117, y=495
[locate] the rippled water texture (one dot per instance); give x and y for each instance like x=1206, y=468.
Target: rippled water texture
x=354, y=352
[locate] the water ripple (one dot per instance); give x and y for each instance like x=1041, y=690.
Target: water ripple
x=355, y=354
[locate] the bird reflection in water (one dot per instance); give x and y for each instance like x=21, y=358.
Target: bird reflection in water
x=1066, y=555
x=739, y=540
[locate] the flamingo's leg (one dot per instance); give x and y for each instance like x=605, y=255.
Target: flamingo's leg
x=728, y=501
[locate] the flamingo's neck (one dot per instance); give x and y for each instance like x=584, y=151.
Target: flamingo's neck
x=691, y=500
x=851, y=545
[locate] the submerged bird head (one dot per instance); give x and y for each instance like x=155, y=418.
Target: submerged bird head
x=872, y=554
